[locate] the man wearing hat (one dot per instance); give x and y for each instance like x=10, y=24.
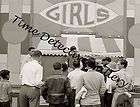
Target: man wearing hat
x=111, y=70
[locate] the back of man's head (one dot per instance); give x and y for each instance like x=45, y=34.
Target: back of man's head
x=64, y=67
x=31, y=48
x=36, y=53
x=57, y=66
x=72, y=48
x=107, y=59
x=91, y=63
x=124, y=63
x=76, y=64
x=4, y=73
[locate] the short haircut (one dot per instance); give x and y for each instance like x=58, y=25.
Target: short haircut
x=4, y=73
x=76, y=64
x=107, y=59
x=57, y=66
x=91, y=63
x=72, y=48
x=36, y=53
x=30, y=48
x=64, y=67
x=124, y=63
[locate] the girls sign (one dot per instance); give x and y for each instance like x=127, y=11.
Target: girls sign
x=79, y=14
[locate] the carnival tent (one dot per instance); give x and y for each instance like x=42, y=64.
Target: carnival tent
x=86, y=45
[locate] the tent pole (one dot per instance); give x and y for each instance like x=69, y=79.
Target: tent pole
x=125, y=28
x=31, y=20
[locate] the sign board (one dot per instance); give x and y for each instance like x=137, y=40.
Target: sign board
x=98, y=17
x=80, y=14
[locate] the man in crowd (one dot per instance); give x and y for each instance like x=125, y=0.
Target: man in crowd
x=105, y=61
x=74, y=77
x=5, y=89
x=73, y=55
x=124, y=82
x=28, y=58
x=105, y=72
x=93, y=81
x=56, y=87
x=31, y=78
x=110, y=84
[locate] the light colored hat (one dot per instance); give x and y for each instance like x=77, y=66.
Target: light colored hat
x=112, y=66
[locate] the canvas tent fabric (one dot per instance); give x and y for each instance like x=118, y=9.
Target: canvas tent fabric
x=85, y=45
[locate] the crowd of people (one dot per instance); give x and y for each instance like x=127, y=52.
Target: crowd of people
x=79, y=82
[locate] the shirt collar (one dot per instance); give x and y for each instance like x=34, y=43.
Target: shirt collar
x=90, y=70
x=35, y=61
x=123, y=70
x=57, y=72
x=4, y=80
x=77, y=69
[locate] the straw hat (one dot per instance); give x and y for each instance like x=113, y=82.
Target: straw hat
x=112, y=66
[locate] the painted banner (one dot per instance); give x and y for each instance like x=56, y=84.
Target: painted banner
x=103, y=18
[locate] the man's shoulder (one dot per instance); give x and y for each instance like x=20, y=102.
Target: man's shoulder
x=120, y=72
x=70, y=73
x=75, y=72
x=5, y=83
x=8, y=83
x=36, y=63
x=99, y=74
x=56, y=77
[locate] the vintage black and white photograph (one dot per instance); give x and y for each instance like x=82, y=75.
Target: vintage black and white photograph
x=69, y=53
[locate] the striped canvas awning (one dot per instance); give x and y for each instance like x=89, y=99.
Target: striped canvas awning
x=86, y=45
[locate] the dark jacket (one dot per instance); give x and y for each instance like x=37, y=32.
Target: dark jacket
x=55, y=89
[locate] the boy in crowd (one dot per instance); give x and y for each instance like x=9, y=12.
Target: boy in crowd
x=56, y=87
x=105, y=62
x=93, y=81
x=73, y=56
x=5, y=89
x=74, y=78
x=124, y=83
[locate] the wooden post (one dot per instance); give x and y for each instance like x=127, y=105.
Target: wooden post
x=137, y=50
x=125, y=27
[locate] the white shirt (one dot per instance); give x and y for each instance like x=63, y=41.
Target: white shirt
x=123, y=74
x=25, y=60
x=32, y=73
x=110, y=83
x=74, y=77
